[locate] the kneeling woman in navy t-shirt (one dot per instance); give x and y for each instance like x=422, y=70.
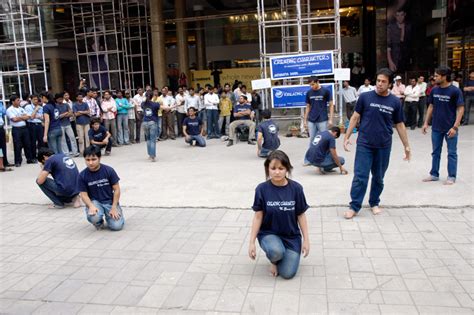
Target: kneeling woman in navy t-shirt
x=280, y=207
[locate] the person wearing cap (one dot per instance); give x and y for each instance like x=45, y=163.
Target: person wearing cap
x=398, y=89
x=445, y=111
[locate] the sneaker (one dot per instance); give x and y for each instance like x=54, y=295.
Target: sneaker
x=107, y=152
x=230, y=142
x=77, y=154
x=251, y=142
x=99, y=227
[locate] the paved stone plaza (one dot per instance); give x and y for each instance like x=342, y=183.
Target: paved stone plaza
x=184, y=245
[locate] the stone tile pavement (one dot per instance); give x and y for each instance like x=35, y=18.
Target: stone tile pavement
x=180, y=261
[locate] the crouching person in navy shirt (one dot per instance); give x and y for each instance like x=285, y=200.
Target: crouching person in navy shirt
x=322, y=152
x=192, y=129
x=62, y=188
x=99, y=136
x=280, y=206
x=377, y=112
x=100, y=191
x=267, y=140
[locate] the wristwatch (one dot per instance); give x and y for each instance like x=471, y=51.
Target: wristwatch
x=455, y=128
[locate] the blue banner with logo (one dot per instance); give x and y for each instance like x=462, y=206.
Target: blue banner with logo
x=303, y=65
x=294, y=96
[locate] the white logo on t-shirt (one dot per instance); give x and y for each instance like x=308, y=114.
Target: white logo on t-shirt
x=56, y=113
x=69, y=162
x=148, y=112
x=316, y=140
x=272, y=129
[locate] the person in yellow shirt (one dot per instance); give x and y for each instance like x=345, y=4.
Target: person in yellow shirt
x=225, y=107
x=157, y=99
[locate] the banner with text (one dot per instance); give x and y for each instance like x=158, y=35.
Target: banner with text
x=294, y=96
x=303, y=65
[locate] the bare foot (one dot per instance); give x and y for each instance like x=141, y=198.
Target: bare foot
x=449, y=182
x=76, y=202
x=430, y=179
x=153, y=159
x=350, y=214
x=320, y=171
x=376, y=210
x=274, y=270
x=53, y=206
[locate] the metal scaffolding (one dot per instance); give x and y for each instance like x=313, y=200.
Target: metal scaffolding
x=99, y=48
x=21, y=71
x=134, y=23
x=297, y=24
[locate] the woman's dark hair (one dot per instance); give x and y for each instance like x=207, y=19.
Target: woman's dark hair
x=42, y=152
x=280, y=156
x=92, y=151
x=385, y=72
x=95, y=120
x=444, y=71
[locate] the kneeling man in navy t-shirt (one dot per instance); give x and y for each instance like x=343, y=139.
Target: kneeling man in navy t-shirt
x=100, y=190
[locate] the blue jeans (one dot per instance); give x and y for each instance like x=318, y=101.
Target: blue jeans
x=54, y=139
x=52, y=191
x=158, y=127
x=287, y=260
x=264, y=152
x=104, y=210
x=150, y=135
x=200, y=141
x=122, y=129
x=313, y=129
x=437, y=142
x=328, y=164
x=212, y=123
x=367, y=161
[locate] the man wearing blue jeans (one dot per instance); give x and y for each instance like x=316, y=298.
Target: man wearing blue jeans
x=377, y=112
x=316, y=113
x=100, y=190
x=322, y=152
x=150, y=119
x=193, y=130
x=446, y=107
x=62, y=188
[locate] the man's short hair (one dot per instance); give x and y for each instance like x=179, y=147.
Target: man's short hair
x=385, y=72
x=444, y=71
x=58, y=95
x=42, y=152
x=337, y=130
x=92, y=150
x=192, y=107
x=266, y=114
x=244, y=96
x=14, y=98
x=95, y=120
x=313, y=79
x=243, y=86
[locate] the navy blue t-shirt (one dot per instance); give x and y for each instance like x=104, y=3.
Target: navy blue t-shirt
x=242, y=108
x=150, y=111
x=65, y=173
x=378, y=115
x=318, y=101
x=445, y=103
x=281, y=206
x=98, y=185
x=192, y=125
x=98, y=135
x=53, y=111
x=470, y=83
x=269, y=131
x=319, y=148
x=80, y=107
x=64, y=108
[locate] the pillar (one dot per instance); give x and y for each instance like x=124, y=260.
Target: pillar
x=56, y=72
x=182, y=39
x=200, y=40
x=158, y=44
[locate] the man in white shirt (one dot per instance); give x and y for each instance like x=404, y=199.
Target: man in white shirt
x=349, y=95
x=366, y=87
x=180, y=110
x=192, y=100
x=109, y=109
x=422, y=102
x=35, y=123
x=211, y=101
x=412, y=97
x=138, y=99
x=169, y=107
x=243, y=91
x=21, y=138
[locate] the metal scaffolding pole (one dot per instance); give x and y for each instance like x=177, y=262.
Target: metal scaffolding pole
x=293, y=23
